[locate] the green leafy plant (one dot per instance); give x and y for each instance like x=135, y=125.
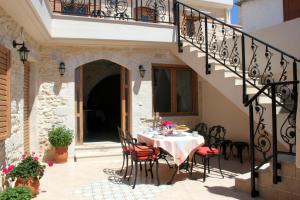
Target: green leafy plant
x=29, y=167
x=17, y=193
x=60, y=136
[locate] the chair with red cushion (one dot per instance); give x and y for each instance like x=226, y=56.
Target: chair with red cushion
x=213, y=143
x=139, y=153
x=126, y=150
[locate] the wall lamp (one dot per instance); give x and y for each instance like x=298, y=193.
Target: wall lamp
x=62, y=68
x=142, y=71
x=23, y=50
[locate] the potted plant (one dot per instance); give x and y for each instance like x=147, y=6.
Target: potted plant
x=26, y=173
x=17, y=193
x=60, y=138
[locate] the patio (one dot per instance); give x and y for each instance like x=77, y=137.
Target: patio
x=99, y=179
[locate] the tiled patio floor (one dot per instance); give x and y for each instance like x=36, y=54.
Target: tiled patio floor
x=94, y=179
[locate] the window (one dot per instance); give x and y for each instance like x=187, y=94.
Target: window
x=174, y=90
x=4, y=93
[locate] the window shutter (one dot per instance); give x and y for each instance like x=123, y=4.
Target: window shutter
x=4, y=92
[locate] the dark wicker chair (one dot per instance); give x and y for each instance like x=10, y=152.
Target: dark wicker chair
x=213, y=144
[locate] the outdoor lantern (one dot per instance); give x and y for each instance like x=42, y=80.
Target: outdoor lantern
x=23, y=51
x=62, y=68
x=142, y=71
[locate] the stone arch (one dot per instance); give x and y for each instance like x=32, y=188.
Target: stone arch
x=120, y=58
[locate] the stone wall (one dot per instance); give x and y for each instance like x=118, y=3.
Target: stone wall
x=55, y=96
x=12, y=148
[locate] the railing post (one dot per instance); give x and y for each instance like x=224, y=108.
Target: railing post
x=276, y=166
x=245, y=96
x=177, y=14
x=207, y=66
x=136, y=10
x=254, y=192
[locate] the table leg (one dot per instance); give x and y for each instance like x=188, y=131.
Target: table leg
x=173, y=176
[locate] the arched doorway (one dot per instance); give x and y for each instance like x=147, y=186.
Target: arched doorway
x=100, y=95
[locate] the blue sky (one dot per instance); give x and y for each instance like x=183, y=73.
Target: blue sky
x=234, y=13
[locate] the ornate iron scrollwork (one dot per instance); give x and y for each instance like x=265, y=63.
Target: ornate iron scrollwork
x=74, y=7
x=116, y=8
x=234, y=57
x=213, y=44
x=253, y=69
x=263, y=143
x=157, y=9
x=267, y=75
x=200, y=38
x=224, y=52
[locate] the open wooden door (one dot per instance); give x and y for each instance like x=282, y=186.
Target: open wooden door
x=26, y=107
x=125, y=99
x=79, y=104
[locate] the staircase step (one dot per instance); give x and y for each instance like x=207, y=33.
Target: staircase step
x=98, y=149
x=98, y=154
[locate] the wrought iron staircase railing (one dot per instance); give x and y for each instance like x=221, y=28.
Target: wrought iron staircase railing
x=251, y=60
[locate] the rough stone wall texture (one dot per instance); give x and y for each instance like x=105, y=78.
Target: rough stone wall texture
x=55, y=95
x=12, y=148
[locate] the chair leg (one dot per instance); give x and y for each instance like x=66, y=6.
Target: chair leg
x=123, y=162
x=208, y=165
x=151, y=171
x=126, y=159
x=204, y=162
x=192, y=165
x=146, y=169
x=194, y=160
x=131, y=170
x=157, y=177
x=219, y=160
x=135, y=174
x=141, y=168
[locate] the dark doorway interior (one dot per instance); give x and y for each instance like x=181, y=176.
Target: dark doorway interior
x=102, y=111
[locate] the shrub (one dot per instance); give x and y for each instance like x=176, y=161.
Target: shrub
x=60, y=136
x=17, y=193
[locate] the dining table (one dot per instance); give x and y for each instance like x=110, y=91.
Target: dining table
x=180, y=145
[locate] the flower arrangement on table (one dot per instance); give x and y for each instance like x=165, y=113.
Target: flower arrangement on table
x=167, y=127
x=27, y=172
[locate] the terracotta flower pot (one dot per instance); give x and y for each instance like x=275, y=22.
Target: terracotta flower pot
x=61, y=154
x=33, y=184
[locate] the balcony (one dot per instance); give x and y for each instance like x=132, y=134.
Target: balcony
x=154, y=11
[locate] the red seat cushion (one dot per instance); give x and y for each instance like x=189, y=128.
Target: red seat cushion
x=145, y=153
x=203, y=151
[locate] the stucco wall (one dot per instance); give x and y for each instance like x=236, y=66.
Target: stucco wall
x=224, y=113
x=255, y=15
x=12, y=148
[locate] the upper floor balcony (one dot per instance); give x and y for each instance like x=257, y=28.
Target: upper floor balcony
x=93, y=22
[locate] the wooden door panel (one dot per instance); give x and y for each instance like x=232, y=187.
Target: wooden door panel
x=79, y=104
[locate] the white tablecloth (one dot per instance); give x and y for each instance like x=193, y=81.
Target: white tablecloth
x=180, y=147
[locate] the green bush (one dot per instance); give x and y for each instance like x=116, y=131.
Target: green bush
x=60, y=136
x=17, y=193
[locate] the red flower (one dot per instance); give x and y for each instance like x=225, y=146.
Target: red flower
x=10, y=168
x=36, y=158
x=4, y=170
x=166, y=123
x=50, y=163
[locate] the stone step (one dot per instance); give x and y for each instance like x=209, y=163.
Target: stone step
x=98, y=145
x=98, y=150
x=98, y=154
x=288, y=188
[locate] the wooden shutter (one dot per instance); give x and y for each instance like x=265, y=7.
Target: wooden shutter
x=291, y=9
x=4, y=92
x=26, y=107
